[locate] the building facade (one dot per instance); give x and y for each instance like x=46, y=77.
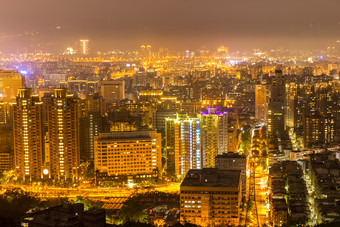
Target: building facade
x=10, y=82
x=233, y=161
x=183, y=146
x=112, y=90
x=63, y=136
x=261, y=105
x=218, y=134
x=276, y=106
x=136, y=153
x=211, y=197
x=92, y=111
x=28, y=135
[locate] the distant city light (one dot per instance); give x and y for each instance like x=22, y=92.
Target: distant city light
x=84, y=46
x=232, y=62
x=70, y=50
x=24, y=72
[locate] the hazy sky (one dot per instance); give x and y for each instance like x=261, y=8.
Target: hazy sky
x=114, y=24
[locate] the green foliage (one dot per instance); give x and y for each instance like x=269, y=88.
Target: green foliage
x=245, y=142
x=264, y=163
x=89, y=172
x=15, y=203
x=245, y=137
x=134, y=208
x=250, y=204
x=132, y=211
x=88, y=204
x=329, y=224
x=52, y=202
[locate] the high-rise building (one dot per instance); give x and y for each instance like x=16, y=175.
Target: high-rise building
x=141, y=78
x=63, y=135
x=233, y=126
x=276, y=106
x=211, y=197
x=328, y=98
x=10, y=82
x=6, y=161
x=4, y=112
x=336, y=89
x=222, y=50
x=92, y=110
x=183, y=150
x=150, y=95
x=215, y=128
x=54, y=79
x=84, y=46
x=214, y=136
x=28, y=135
x=159, y=118
x=136, y=153
x=112, y=90
x=261, y=104
x=291, y=93
x=314, y=130
x=168, y=103
x=6, y=147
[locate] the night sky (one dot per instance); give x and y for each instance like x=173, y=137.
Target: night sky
x=118, y=24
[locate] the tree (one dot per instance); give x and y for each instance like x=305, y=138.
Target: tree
x=88, y=204
x=132, y=211
x=15, y=203
x=134, y=208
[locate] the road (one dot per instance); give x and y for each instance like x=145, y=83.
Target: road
x=261, y=197
x=94, y=193
x=261, y=177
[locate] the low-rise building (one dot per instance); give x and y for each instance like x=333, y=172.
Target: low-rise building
x=211, y=197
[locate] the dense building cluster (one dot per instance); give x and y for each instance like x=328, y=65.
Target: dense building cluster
x=289, y=197
x=250, y=137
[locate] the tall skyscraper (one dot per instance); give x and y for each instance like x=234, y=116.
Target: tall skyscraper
x=261, y=108
x=314, y=130
x=276, y=107
x=291, y=91
x=92, y=110
x=214, y=134
x=233, y=126
x=10, y=82
x=84, y=46
x=159, y=117
x=28, y=135
x=63, y=132
x=183, y=148
x=4, y=113
x=112, y=90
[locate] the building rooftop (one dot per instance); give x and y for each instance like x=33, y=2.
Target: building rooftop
x=230, y=155
x=212, y=177
x=126, y=135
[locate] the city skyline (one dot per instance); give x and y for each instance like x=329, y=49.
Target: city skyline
x=169, y=113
